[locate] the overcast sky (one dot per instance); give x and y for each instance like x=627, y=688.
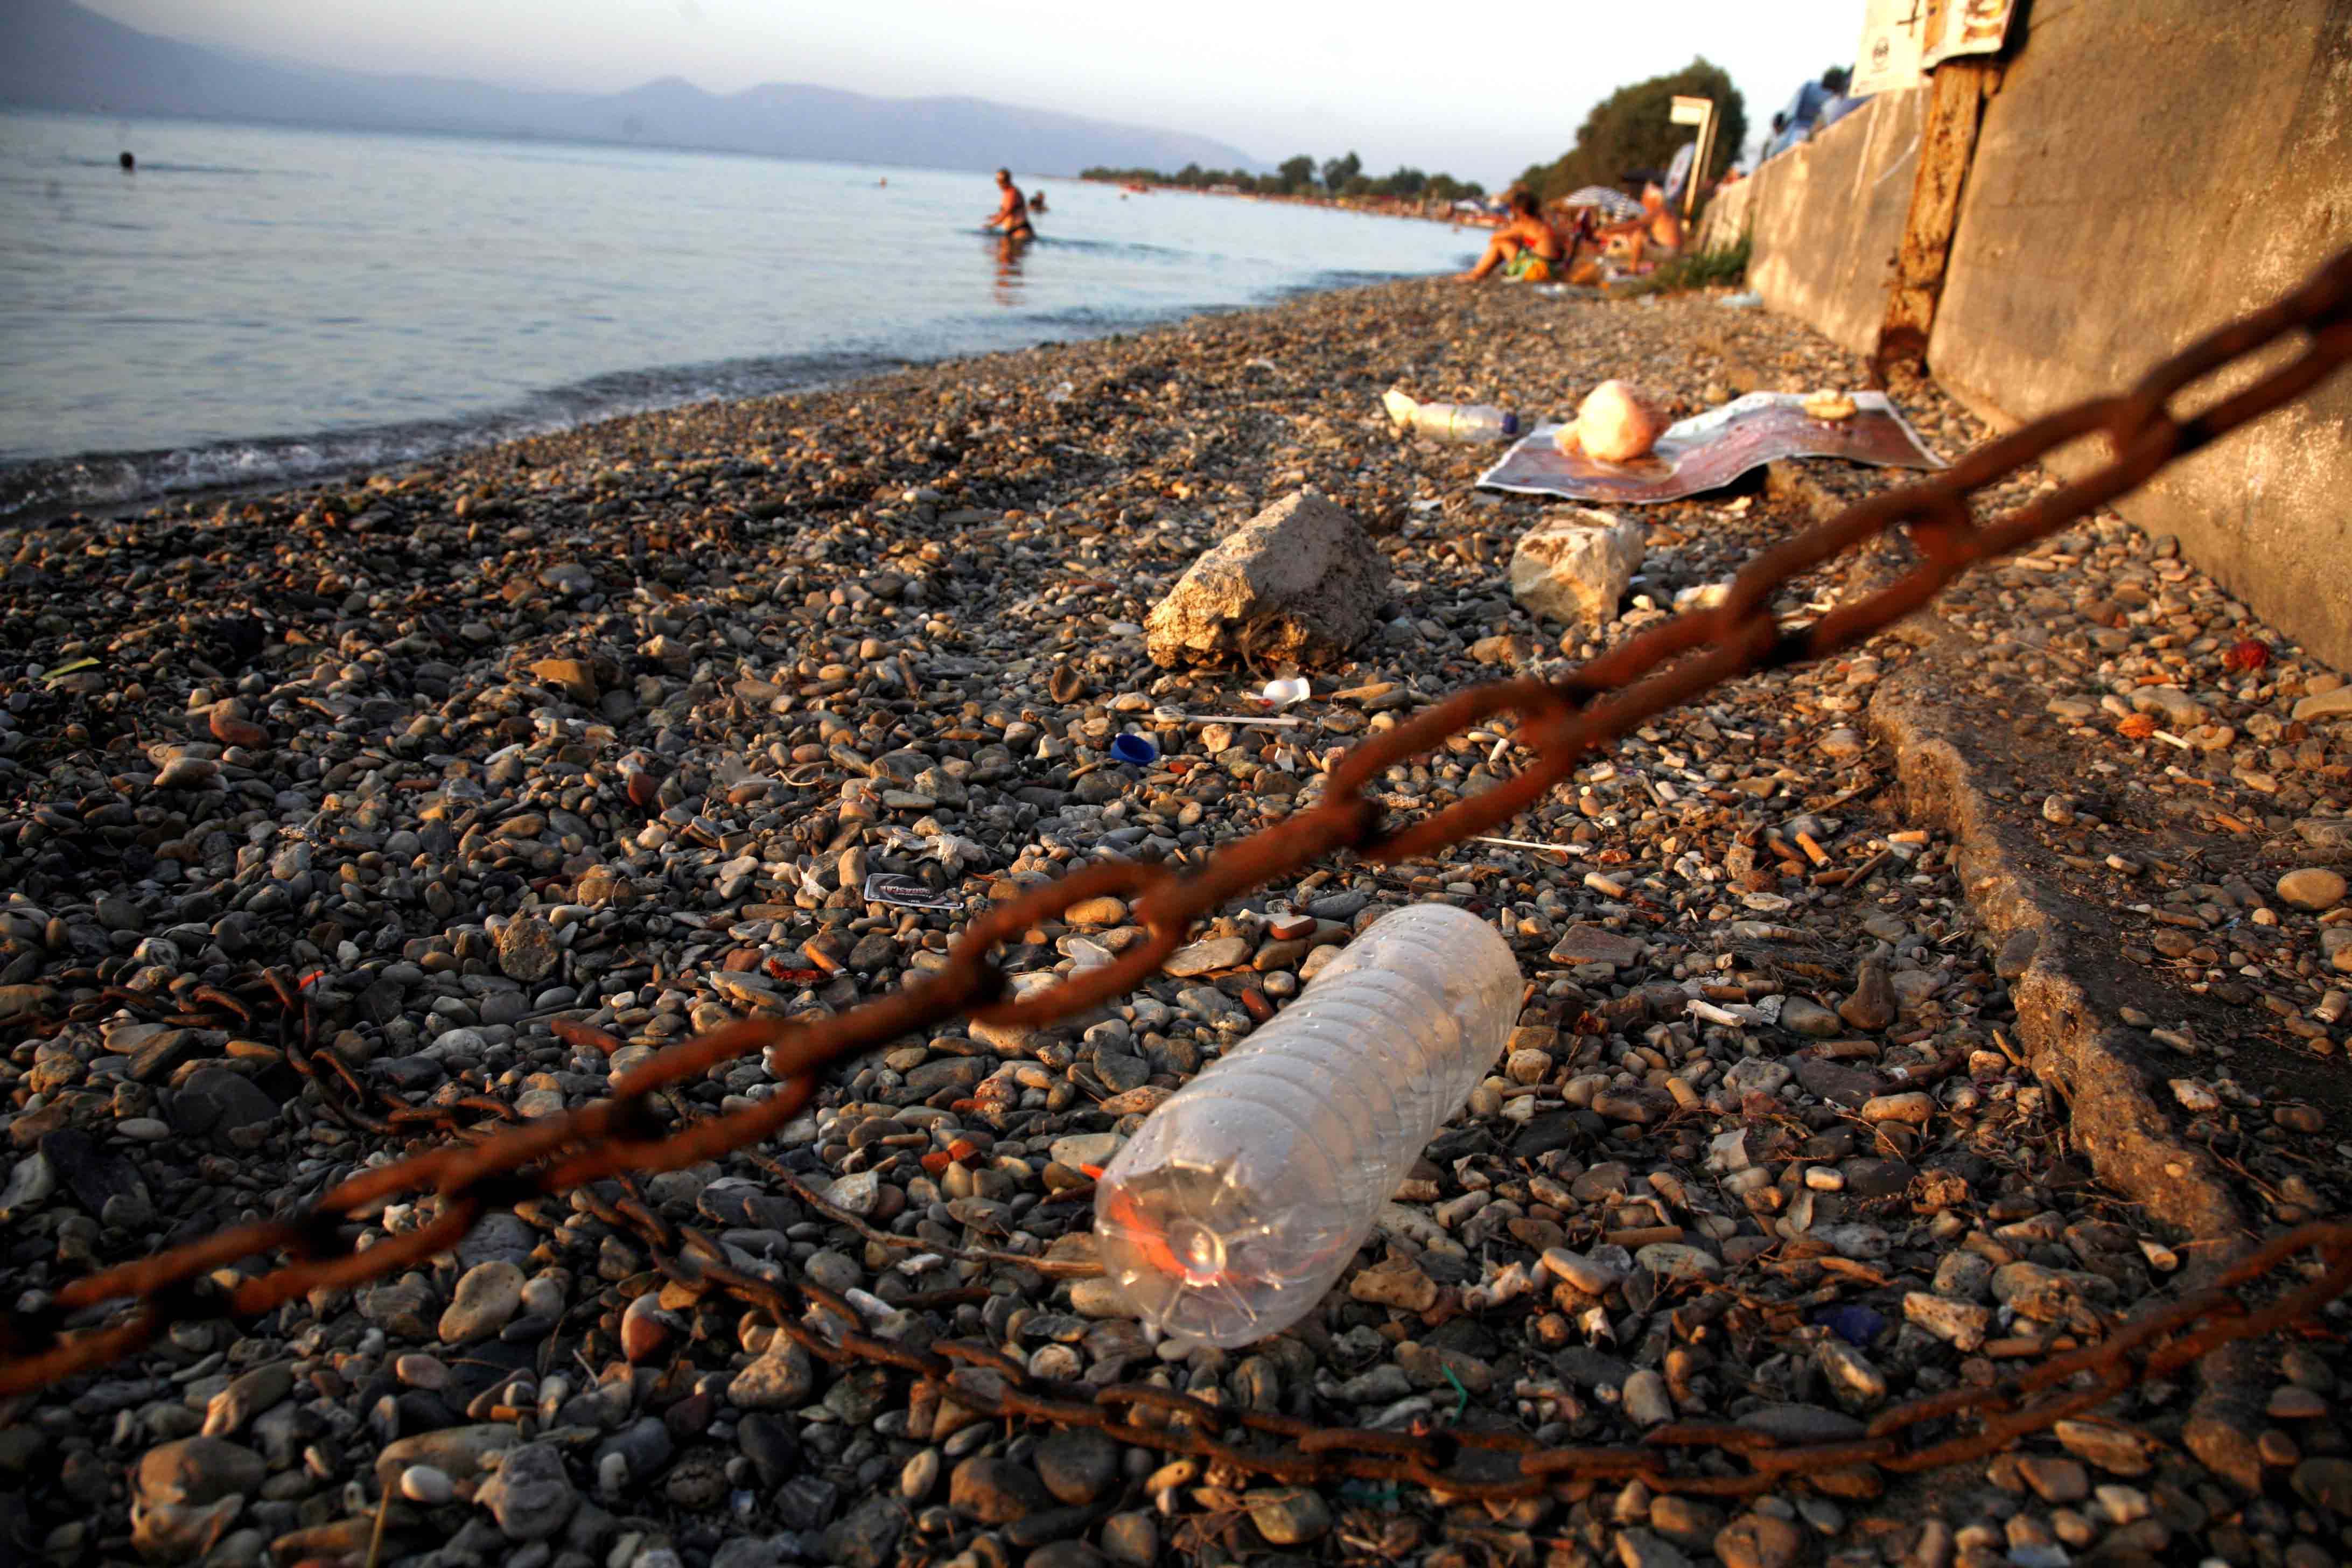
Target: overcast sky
x=1478, y=90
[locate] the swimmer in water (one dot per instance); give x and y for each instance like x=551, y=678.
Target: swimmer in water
x=1010, y=217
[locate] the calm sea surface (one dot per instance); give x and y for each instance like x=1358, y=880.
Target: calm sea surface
x=257, y=304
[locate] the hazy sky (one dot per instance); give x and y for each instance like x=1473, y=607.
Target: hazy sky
x=1479, y=90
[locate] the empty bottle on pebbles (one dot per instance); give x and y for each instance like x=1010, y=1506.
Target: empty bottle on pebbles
x=1241, y=1200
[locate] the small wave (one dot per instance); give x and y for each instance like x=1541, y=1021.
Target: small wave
x=144, y=167
x=103, y=480
x=1128, y=248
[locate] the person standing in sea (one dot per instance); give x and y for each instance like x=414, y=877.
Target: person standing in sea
x=1012, y=215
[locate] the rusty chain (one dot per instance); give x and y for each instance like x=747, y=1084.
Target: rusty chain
x=1660, y=668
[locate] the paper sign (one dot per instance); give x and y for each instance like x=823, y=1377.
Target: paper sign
x=1709, y=450
x=1894, y=36
x=1970, y=27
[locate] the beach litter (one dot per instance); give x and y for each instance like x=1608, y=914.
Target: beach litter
x=1709, y=450
x=1616, y=423
x=882, y=888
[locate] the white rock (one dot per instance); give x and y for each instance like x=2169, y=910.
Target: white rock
x=2194, y=1097
x=1300, y=581
x=1575, y=568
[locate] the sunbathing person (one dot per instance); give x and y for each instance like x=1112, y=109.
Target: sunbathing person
x=1656, y=236
x=1526, y=247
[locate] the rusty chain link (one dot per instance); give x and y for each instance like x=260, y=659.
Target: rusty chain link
x=1667, y=665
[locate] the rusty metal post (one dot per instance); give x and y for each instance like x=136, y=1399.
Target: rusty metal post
x=1947, y=143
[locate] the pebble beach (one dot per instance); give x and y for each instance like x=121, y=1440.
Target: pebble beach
x=530, y=761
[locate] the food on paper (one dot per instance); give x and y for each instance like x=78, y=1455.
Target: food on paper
x=1618, y=424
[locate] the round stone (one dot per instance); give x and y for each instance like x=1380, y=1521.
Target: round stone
x=2313, y=888
x=425, y=1484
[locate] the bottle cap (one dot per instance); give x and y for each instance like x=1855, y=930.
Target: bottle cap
x=1134, y=750
x=1283, y=693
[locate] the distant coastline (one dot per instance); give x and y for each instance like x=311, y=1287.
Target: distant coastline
x=1427, y=211
x=64, y=57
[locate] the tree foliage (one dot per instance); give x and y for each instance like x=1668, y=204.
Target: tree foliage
x=1302, y=176
x=1633, y=127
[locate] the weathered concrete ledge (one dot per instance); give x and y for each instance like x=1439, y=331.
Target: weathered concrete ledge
x=2057, y=953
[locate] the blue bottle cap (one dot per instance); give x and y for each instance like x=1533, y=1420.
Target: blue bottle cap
x=1134, y=749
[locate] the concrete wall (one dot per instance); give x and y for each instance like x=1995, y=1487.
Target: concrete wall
x=1826, y=219
x=1724, y=218
x=2148, y=169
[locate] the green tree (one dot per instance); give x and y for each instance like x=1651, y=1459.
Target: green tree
x=1406, y=182
x=1191, y=177
x=1337, y=171
x=1295, y=174
x=1633, y=128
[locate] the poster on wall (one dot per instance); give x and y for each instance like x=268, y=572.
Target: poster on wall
x=1968, y=27
x=1894, y=36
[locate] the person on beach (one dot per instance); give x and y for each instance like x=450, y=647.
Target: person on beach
x=1525, y=248
x=1038, y=202
x=1011, y=218
x=1655, y=237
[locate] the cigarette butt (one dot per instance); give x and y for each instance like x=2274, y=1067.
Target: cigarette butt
x=1813, y=851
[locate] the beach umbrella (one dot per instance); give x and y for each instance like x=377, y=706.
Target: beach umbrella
x=1615, y=205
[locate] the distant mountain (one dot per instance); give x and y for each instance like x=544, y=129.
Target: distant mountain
x=58, y=55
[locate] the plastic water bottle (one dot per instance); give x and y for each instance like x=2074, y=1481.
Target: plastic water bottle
x=1242, y=1199
x=1465, y=423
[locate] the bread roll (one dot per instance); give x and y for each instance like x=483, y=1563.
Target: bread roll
x=1618, y=424
x=1829, y=405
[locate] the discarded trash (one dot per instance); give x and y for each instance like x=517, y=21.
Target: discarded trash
x=1234, y=1209
x=1263, y=721
x=1283, y=693
x=1709, y=450
x=1743, y=302
x=1616, y=424
x=1569, y=850
x=1856, y=1325
x=1467, y=424
x=1137, y=750
x=1833, y=407
x=65, y=670
x=883, y=887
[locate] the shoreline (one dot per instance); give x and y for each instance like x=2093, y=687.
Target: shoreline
x=483, y=434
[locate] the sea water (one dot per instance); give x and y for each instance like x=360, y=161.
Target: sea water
x=253, y=304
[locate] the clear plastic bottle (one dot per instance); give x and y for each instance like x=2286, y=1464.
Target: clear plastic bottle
x=1465, y=423
x=1241, y=1200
